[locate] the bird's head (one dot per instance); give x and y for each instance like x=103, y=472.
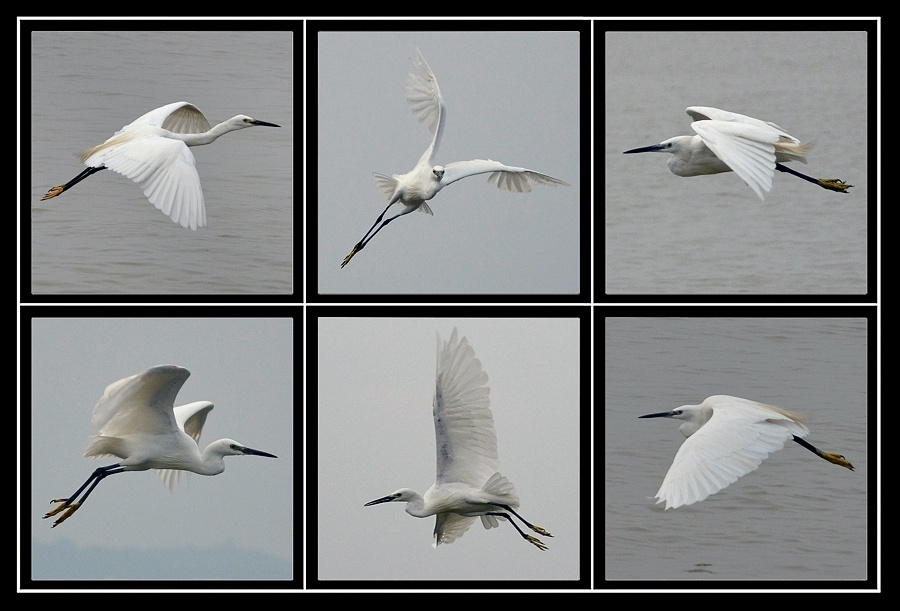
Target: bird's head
x=242, y=121
x=438, y=172
x=672, y=145
x=404, y=494
x=675, y=413
x=692, y=415
x=230, y=447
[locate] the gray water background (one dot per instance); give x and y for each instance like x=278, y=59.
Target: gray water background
x=103, y=236
x=667, y=234
x=796, y=517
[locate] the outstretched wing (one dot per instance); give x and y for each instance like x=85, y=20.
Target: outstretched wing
x=732, y=443
x=425, y=100
x=142, y=403
x=507, y=178
x=463, y=422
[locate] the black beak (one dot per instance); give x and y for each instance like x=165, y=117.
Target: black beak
x=645, y=149
x=668, y=414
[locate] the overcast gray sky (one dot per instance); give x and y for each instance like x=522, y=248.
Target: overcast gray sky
x=244, y=366
x=376, y=434
x=511, y=96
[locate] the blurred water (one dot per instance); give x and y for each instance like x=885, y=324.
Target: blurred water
x=797, y=517
x=104, y=236
x=711, y=234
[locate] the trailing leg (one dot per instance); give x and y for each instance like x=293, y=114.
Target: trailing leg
x=533, y=540
x=53, y=192
x=69, y=506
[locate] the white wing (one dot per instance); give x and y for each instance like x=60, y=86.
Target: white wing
x=733, y=442
x=425, y=100
x=163, y=167
x=463, y=423
x=748, y=146
x=747, y=149
x=142, y=403
x=507, y=178
x=708, y=113
x=178, y=117
x=448, y=527
x=190, y=418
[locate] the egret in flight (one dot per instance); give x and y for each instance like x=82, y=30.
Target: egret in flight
x=468, y=483
x=727, y=437
x=153, y=151
x=136, y=421
x=727, y=141
x=424, y=181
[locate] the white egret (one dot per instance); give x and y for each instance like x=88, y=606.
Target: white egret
x=468, y=484
x=136, y=421
x=153, y=151
x=424, y=181
x=727, y=141
x=727, y=437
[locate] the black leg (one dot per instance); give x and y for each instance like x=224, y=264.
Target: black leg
x=832, y=184
x=534, y=540
x=60, y=188
x=837, y=459
x=368, y=238
x=69, y=505
x=536, y=529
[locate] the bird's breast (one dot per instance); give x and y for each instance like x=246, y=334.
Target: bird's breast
x=698, y=160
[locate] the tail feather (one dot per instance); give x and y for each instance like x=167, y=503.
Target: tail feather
x=386, y=184
x=500, y=487
x=791, y=150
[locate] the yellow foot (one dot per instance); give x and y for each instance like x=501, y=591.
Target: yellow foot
x=65, y=516
x=69, y=510
x=53, y=192
x=834, y=184
x=540, y=531
x=64, y=504
x=537, y=542
x=837, y=459
x=355, y=250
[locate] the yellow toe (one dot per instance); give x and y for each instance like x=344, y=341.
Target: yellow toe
x=53, y=192
x=355, y=250
x=834, y=184
x=537, y=542
x=65, y=516
x=63, y=504
x=838, y=459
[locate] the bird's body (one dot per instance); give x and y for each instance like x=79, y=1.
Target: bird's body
x=136, y=421
x=727, y=437
x=426, y=179
x=728, y=141
x=153, y=151
x=468, y=484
